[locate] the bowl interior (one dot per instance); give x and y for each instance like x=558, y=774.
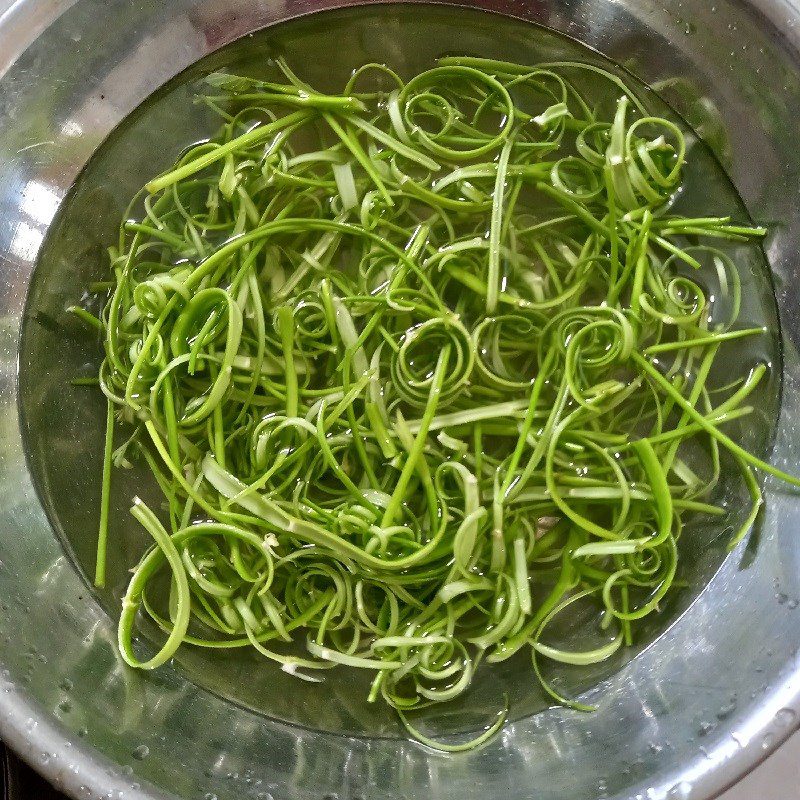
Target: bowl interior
x=63, y=424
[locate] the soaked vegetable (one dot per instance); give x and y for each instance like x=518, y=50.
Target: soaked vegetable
x=417, y=369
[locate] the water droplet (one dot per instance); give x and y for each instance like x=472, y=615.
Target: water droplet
x=141, y=752
x=654, y=747
x=727, y=709
x=706, y=728
x=767, y=741
x=66, y=685
x=82, y=732
x=793, y=603
x=263, y=796
x=209, y=796
x=44, y=758
x=781, y=598
x=785, y=717
x=126, y=769
x=65, y=706
x=680, y=791
x=689, y=28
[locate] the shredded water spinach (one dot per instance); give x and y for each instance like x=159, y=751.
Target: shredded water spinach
x=416, y=369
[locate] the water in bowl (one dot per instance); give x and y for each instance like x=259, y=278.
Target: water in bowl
x=63, y=424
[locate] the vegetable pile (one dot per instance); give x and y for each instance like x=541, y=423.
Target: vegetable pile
x=415, y=369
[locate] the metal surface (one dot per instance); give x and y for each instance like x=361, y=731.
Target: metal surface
x=686, y=718
x=19, y=782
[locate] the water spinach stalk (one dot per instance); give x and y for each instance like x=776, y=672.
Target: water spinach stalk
x=419, y=368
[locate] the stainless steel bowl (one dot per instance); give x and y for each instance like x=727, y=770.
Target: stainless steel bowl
x=707, y=701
